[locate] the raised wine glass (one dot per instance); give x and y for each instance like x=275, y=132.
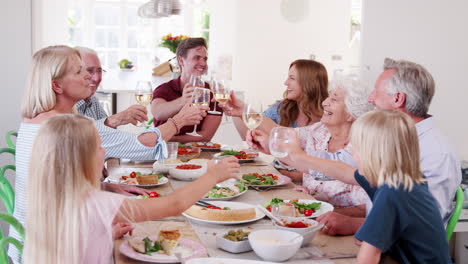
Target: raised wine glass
x=221, y=93
x=253, y=114
x=201, y=96
x=279, y=136
x=143, y=95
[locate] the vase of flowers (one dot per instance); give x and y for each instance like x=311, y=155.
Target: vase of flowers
x=171, y=42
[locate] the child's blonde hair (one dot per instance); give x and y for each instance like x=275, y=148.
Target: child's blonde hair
x=388, y=146
x=63, y=171
x=48, y=64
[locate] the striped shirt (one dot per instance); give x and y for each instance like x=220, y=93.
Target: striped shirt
x=118, y=144
x=91, y=108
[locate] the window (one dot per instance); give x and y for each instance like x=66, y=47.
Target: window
x=115, y=31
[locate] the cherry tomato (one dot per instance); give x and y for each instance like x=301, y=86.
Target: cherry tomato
x=262, y=179
x=269, y=208
x=308, y=212
x=153, y=194
x=133, y=174
x=210, y=207
x=299, y=225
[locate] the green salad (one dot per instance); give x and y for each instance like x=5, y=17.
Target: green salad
x=259, y=179
x=221, y=192
x=151, y=247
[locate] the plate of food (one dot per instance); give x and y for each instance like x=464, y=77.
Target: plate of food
x=224, y=213
x=303, y=208
x=264, y=180
x=207, y=146
x=242, y=156
x=225, y=192
x=139, y=179
x=186, y=152
x=163, y=248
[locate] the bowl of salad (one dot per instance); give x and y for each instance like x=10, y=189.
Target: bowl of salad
x=303, y=208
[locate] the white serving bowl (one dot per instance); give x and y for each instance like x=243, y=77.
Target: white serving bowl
x=275, y=244
x=307, y=232
x=232, y=246
x=162, y=167
x=187, y=175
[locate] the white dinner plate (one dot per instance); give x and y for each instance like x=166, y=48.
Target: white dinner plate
x=187, y=247
x=282, y=180
x=224, y=261
x=225, y=198
x=233, y=205
x=324, y=207
x=115, y=179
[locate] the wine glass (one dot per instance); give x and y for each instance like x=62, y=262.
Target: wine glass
x=253, y=114
x=285, y=209
x=201, y=96
x=279, y=136
x=197, y=81
x=221, y=93
x=143, y=95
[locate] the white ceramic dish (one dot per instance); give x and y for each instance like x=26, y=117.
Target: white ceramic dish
x=275, y=245
x=187, y=247
x=164, y=168
x=324, y=208
x=233, y=205
x=115, y=179
x=282, y=180
x=187, y=175
x=224, y=261
x=308, y=232
x=232, y=246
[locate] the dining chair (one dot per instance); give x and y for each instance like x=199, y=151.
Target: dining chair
x=8, y=139
x=8, y=150
x=148, y=125
x=456, y=213
x=5, y=240
x=7, y=194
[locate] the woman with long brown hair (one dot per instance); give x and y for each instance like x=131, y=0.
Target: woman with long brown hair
x=306, y=89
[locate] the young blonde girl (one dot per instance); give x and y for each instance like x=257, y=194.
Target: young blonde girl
x=404, y=221
x=69, y=219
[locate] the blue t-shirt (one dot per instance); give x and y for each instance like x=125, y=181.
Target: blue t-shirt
x=405, y=224
x=273, y=112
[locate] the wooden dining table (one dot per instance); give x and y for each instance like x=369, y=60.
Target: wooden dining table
x=206, y=233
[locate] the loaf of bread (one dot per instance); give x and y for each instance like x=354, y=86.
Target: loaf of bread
x=221, y=215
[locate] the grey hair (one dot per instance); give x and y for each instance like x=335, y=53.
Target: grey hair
x=413, y=80
x=85, y=50
x=356, y=94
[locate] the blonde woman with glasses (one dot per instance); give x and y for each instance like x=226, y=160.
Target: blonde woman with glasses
x=78, y=225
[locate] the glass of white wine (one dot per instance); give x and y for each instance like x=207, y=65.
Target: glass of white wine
x=279, y=137
x=221, y=93
x=201, y=96
x=143, y=95
x=197, y=81
x=253, y=114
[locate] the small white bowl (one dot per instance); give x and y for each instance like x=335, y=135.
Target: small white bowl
x=232, y=246
x=274, y=244
x=307, y=232
x=187, y=175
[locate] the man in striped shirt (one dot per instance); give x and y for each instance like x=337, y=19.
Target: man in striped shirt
x=91, y=107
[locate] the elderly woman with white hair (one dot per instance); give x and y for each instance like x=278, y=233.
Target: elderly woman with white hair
x=328, y=139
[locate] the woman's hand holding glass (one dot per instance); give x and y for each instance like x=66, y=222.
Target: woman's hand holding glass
x=234, y=106
x=224, y=168
x=221, y=94
x=201, y=97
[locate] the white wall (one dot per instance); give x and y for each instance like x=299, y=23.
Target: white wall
x=433, y=34
x=263, y=43
x=15, y=50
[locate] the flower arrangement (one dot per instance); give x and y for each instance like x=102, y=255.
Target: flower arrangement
x=170, y=42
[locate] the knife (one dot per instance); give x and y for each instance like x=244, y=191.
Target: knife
x=204, y=204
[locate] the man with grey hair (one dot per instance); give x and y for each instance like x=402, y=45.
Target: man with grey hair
x=91, y=107
x=408, y=87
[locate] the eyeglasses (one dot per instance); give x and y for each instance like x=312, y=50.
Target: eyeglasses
x=93, y=71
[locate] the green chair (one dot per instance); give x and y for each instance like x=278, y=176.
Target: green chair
x=7, y=194
x=5, y=240
x=456, y=213
x=8, y=150
x=149, y=123
x=8, y=139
